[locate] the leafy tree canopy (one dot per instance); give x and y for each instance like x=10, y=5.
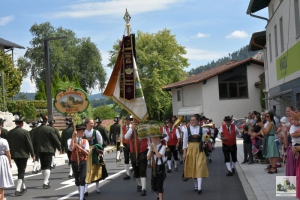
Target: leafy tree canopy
x=70, y=57
x=105, y=112
x=12, y=75
x=160, y=62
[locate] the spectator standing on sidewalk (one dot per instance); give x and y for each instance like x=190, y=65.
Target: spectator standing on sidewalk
x=247, y=145
x=296, y=151
x=45, y=141
x=20, y=147
x=6, y=179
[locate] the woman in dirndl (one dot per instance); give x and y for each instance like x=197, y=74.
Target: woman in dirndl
x=195, y=165
x=6, y=179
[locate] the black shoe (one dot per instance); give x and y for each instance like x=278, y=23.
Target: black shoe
x=249, y=163
x=176, y=168
x=71, y=176
x=181, y=162
x=46, y=186
x=143, y=193
x=24, y=190
x=196, y=189
x=86, y=194
x=233, y=170
x=139, y=188
x=126, y=177
x=17, y=193
x=229, y=173
x=168, y=170
x=243, y=162
x=54, y=166
x=199, y=191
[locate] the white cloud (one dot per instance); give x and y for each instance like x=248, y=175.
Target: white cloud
x=27, y=85
x=203, y=55
x=202, y=35
x=113, y=7
x=6, y=20
x=237, y=34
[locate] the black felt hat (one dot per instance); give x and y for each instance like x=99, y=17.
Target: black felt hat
x=116, y=119
x=227, y=119
x=98, y=120
x=33, y=124
x=80, y=127
x=43, y=118
x=69, y=121
x=51, y=121
x=18, y=118
x=2, y=120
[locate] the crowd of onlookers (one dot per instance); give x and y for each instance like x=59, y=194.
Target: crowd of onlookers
x=273, y=141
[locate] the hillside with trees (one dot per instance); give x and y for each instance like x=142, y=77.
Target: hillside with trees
x=241, y=54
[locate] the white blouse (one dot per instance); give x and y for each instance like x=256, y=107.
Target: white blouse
x=3, y=146
x=89, y=134
x=194, y=131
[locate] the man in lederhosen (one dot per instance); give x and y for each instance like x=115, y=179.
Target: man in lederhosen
x=138, y=155
x=102, y=131
x=227, y=134
x=115, y=130
x=45, y=141
x=126, y=148
x=36, y=167
x=173, y=143
x=20, y=147
x=51, y=124
x=3, y=130
x=65, y=136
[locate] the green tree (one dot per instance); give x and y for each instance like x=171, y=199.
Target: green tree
x=12, y=75
x=105, y=112
x=160, y=62
x=70, y=57
x=41, y=93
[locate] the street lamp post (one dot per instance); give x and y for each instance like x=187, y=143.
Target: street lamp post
x=47, y=73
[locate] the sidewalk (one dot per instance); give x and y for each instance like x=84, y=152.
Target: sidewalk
x=60, y=159
x=257, y=183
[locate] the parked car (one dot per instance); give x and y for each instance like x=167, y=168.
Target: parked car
x=239, y=123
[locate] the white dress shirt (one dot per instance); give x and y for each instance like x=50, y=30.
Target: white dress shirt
x=85, y=147
x=235, y=128
x=161, y=151
x=177, y=133
x=89, y=134
x=194, y=131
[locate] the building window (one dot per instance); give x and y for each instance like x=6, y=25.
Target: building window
x=281, y=34
x=275, y=38
x=270, y=47
x=178, y=95
x=297, y=17
x=233, y=83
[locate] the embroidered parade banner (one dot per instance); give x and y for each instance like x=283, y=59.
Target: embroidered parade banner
x=124, y=85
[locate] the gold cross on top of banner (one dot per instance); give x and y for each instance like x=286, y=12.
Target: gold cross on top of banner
x=127, y=20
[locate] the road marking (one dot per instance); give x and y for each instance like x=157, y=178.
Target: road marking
x=68, y=183
x=16, y=177
x=91, y=185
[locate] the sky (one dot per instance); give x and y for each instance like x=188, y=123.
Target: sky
x=208, y=30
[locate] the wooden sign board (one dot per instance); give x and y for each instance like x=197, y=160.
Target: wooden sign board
x=71, y=101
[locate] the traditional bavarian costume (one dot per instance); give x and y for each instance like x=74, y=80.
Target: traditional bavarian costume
x=195, y=165
x=139, y=160
x=96, y=169
x=126, y=150
x=79, y=167
x=174, y=136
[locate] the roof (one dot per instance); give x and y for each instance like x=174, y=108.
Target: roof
x=8, y=45
x=211, y=73
x=256, y=5
x=258, y=41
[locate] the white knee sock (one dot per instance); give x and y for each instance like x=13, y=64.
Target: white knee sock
x=86, y=188
x=78, y=188
x=139, y=182
x=180, y=157
x=38, y=165
x=195, y=182
x=71, y=170
x=35, y=165
x=233, y=165
x=127, y=169
x=23, y=185
x=46, y=176
x=52, y=162
x=199, y=183
x=228, y=166
x=175, y=163
x=118, y=154
x=19, y=184
x=97, y=185
x=81, y=194
x=170, y=164
x=144, y=182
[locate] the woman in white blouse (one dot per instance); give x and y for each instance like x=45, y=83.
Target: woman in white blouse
x=195, y=159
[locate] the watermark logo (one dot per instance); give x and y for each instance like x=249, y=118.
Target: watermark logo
x=286, y=186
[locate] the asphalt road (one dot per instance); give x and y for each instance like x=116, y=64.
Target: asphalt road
x=217, y=187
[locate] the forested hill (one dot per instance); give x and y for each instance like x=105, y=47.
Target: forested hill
x=241, y=54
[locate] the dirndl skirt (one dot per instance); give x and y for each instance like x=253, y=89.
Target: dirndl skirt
x=195, y=165
x=6, y=179
x=93, y=172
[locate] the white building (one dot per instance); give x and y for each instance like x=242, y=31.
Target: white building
x=228, y=89
x=281, y=44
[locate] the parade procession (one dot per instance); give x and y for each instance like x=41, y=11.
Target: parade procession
x=224, y=130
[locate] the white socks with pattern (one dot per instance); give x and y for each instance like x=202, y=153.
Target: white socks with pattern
x=46, y=176
x=19, y=184
x=228, y=166
x=127, y=169
x=144, y=181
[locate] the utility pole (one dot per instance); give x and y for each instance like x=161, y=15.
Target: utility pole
x=3, y=91
x=48, y=73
